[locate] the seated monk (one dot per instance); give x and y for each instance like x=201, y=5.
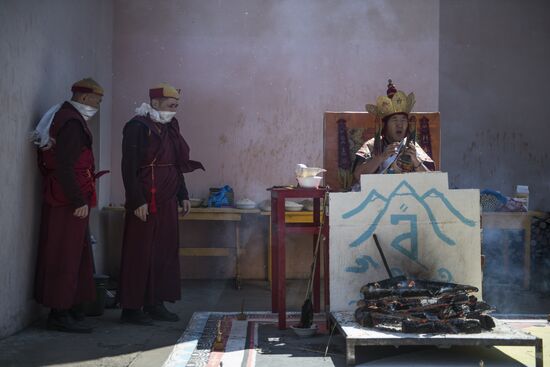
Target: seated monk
x=394, y=148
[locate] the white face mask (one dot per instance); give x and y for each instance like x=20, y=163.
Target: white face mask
x=166, y=116
x=163, y=117
x=86, y=111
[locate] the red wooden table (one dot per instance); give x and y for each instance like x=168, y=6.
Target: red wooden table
x=279, y=230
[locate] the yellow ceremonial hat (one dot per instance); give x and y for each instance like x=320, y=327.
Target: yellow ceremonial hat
x=164, y=90
x=87, y=85
x=395, y=101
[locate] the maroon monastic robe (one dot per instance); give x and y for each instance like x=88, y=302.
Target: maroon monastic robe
x=154, y=158
x=64, y=271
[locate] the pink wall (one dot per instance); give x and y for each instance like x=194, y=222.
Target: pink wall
x=257, y=76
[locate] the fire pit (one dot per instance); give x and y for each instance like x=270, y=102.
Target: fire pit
x=357, y=335
x=419, y=306
x=404, y=311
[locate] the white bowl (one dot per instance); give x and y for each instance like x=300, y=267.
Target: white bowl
x=309, y=182
x=305, y=332
x=245, y=204
x=292, y=206
x=195, y=203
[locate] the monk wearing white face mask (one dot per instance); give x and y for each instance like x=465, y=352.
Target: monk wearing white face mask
x=154, y=158
x=64, y=272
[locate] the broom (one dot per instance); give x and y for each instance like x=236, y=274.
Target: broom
x=306, y=317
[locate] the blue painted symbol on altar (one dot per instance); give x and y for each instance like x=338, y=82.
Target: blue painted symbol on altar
x=412, y=236
x=405, y=191
x=364, y=263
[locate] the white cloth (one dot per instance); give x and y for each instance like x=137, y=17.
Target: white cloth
x=163, y=117
x=87, y=112
x=41, y=135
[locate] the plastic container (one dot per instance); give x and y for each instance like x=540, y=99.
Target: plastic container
x=522, y=196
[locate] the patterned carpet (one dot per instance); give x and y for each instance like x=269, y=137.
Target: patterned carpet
x=239, y=338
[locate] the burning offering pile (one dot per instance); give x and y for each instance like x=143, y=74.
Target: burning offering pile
x=420, y=306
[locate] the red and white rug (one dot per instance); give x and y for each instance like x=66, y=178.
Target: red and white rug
x=240, y=338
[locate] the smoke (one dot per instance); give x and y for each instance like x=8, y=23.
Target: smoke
x=513, y=283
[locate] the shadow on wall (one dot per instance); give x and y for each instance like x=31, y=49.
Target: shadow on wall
x=42, y=99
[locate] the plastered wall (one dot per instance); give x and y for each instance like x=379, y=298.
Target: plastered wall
x=45, y=47
x=257, y=76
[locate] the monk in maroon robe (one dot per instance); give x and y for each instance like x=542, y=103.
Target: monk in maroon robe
x=154, y=158
x=64, y=271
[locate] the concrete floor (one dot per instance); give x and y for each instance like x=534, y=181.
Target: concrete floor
x=114, y=344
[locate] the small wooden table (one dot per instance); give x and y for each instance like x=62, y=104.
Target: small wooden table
x=218, y=214
x=279, y=229
x=212, y=214
x=303, y=216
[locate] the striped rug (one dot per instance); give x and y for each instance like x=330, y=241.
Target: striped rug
x=240, y=338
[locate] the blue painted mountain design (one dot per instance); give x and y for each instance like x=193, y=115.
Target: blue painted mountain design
x=405, y=189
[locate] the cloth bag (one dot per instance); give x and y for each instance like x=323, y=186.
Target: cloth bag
x=220, y=197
